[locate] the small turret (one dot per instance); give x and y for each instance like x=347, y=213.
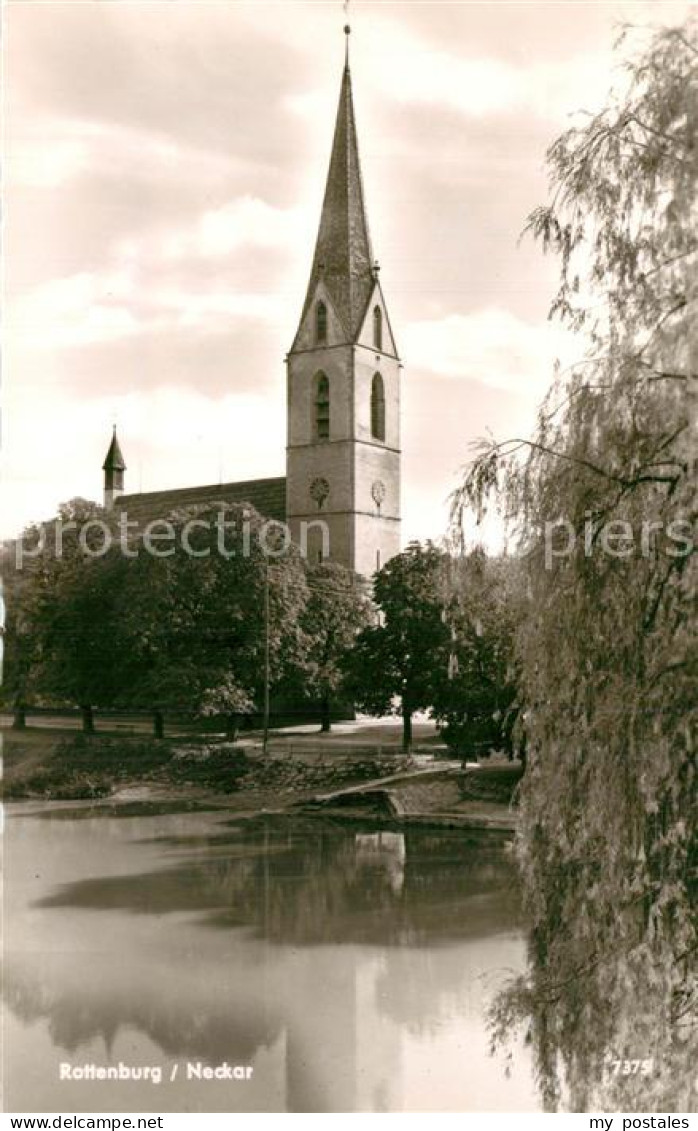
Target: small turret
x=114, y=468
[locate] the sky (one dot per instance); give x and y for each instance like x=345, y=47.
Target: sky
x=165, y=165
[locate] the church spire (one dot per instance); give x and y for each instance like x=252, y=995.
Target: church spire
x=343, y=258
x=114, y=467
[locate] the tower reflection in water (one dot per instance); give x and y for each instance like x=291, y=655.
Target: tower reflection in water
x=350, y=968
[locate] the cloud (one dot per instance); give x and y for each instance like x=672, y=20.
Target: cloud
x=150, y=283
x=486, y=86
x=75, y=311
x=473, y=84
x=247, y=222
x=81, y=194
x=50, y=149
x=42, y=163
x=492, y=347
x=87, y=309
x=504, y=76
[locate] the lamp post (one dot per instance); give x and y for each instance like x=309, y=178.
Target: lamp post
x=265, y=738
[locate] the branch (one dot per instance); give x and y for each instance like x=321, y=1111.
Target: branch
x=622, y=480
x=687, y=43
x=680, y=305
x=668, y=262
x=668, y=670
x=548, y=416
x=651, y=612
x=656, y=133
x=665, y=375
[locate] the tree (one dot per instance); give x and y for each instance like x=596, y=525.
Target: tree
x=337, y=609
x=193, y=628
x=61, y=640
x=475, y=698
x=139, y=624
x=605, y=496
x=18, y=642
x=397, y=658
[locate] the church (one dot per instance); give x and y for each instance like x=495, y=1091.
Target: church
x=343, y=395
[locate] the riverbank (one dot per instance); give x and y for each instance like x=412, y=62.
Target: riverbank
x=355, y=781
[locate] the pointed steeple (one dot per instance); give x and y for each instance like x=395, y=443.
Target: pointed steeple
x=114, y=467
x=114, y=459
x=343, y=258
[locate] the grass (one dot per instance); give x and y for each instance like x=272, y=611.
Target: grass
x=47, y=764
x=54, y=765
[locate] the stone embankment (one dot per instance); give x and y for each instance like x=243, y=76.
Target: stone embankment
x=474, y=797
x=358, y=784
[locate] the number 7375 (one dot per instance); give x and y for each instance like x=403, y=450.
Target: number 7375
x=631, y=1067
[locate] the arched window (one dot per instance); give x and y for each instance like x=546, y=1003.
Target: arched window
x=378, y=327
x=321, y=322
x=322, y=407
x=377, y=408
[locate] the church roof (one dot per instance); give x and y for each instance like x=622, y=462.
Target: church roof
x=267, y=496
x=114, y=460
x=343, y=257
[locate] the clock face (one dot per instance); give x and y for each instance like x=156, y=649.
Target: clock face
x=319, y=491
x=378, y=491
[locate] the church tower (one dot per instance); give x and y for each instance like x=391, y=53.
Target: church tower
x=343, y=454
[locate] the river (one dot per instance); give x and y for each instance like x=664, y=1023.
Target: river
x=348, y=968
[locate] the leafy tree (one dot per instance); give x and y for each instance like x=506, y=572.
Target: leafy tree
x=18, y=641
x=337, y=609
x=60, y=638
x=397, y=657
x=172, y=622
x=608, y=644
x=193, y=624
x=475, y=698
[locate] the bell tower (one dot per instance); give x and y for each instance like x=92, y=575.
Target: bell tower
x=343, y=382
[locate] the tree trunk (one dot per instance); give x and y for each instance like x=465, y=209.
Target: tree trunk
x=158, y=724
x=88, y=720
x=19, y=720
x=232, y=726
x=406, y=727
x=325, y=717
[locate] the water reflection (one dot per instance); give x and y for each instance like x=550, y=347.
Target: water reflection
x=351, y=969
x=308, y=883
